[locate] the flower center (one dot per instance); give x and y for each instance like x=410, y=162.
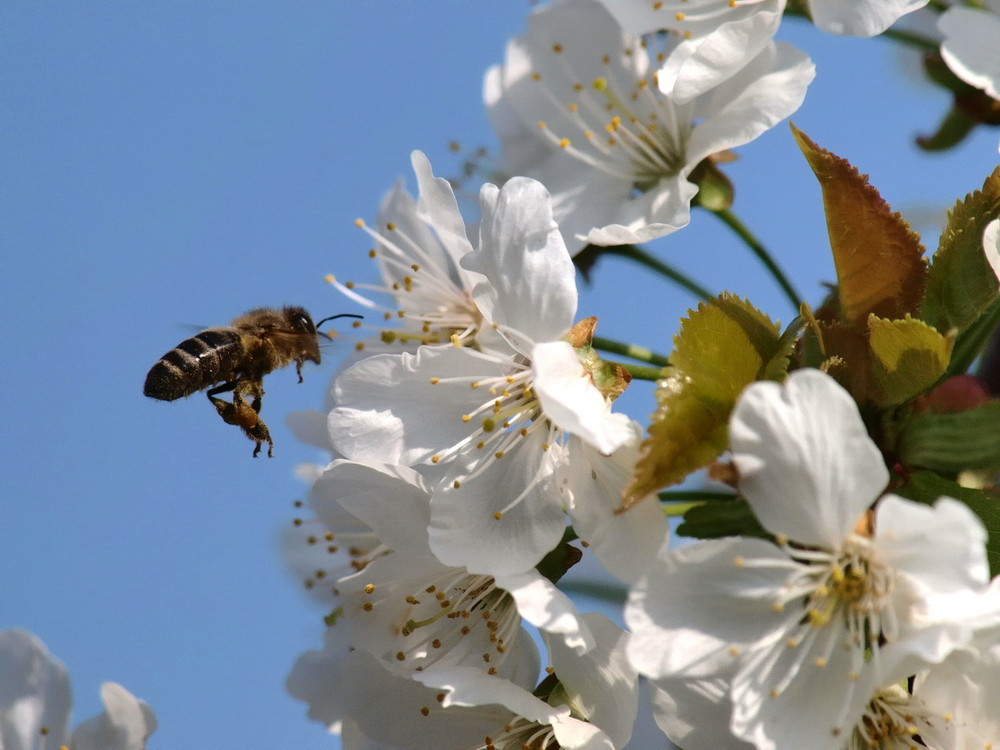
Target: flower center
x=438, y=618
x=432, y=307
x=619, y=123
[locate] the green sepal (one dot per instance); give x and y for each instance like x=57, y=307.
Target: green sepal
x=950, y=443
x=719, y=519
x=560, y=558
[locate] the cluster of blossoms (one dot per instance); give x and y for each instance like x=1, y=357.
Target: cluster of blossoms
x=838, y=597
x=474, y=438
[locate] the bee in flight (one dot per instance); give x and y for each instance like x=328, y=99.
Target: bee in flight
x=238, y=357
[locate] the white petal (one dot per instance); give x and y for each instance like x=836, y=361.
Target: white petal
x=438, y=207
x=703, y=62
x=768, y=89
x=394, y=501
x=991, y=245
x=547, y=608
x=388, y=410
x=695, y=713
x=625, y=543
x=530, y=280
x=125, y=724
x=805, y=461
x=941, y=548
x=601, y=684
x=571, y=400
x=700, y=606
x=34, y=692
x=860, y=17
x=465, y=530
x=659, y=211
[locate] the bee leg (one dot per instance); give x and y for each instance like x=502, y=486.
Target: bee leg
x=298, y=367
x=240, y=413
x=247, y=415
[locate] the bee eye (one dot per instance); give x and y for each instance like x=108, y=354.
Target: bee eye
x=301, y=321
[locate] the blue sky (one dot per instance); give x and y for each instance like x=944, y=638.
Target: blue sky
x=173, y=164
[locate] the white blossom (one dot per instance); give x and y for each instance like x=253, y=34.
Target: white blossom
x=492, y=421
x=811, y=626
x=620, y=151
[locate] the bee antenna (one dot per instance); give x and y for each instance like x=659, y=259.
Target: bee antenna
x=341, y=315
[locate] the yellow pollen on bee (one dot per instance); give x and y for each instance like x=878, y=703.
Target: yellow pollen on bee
x=498, y=515
x=360, y=223
x=369, y=588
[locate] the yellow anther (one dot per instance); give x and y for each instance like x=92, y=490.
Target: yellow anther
x=369, y=588
x=498, y=515
x=600, y=84
x=680, y=16
x=349, y=284
x=329, y=278
x=360, y=223
x=372, y=253
x=390, y=226
x=564, y=143
x=557, y=48
x=435, y=459
x=466, y=417
x=489, y=425
x=435, y=380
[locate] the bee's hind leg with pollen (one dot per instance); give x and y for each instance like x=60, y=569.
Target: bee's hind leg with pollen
x=244, y=415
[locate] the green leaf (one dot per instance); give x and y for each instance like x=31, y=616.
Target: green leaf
x=879, y=260
x=927, y=487
x=950, y=443
x=908, y=357
x=721, y=348
x=960, y=282
x=714, y=520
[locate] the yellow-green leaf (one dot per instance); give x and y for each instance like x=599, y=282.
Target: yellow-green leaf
x=960, y=282
x=908, y=357
x=879, y=260
x=721, y=347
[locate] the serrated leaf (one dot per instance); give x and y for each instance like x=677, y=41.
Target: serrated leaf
x=879, y=260
x=721, y=347
x=927, y=487
x=715, y=520
x=960, y=282
x=951, y=443
x=908, y=357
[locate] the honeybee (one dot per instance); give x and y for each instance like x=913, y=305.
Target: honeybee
x=239, y=356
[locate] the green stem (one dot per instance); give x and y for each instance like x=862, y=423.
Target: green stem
x=641, y=257
x=972, y=340
x=700, y=496
x=730, y=220
x=643, y=373
x=630, y=350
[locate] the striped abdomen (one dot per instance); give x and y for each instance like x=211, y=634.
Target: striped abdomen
x=197, y=363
